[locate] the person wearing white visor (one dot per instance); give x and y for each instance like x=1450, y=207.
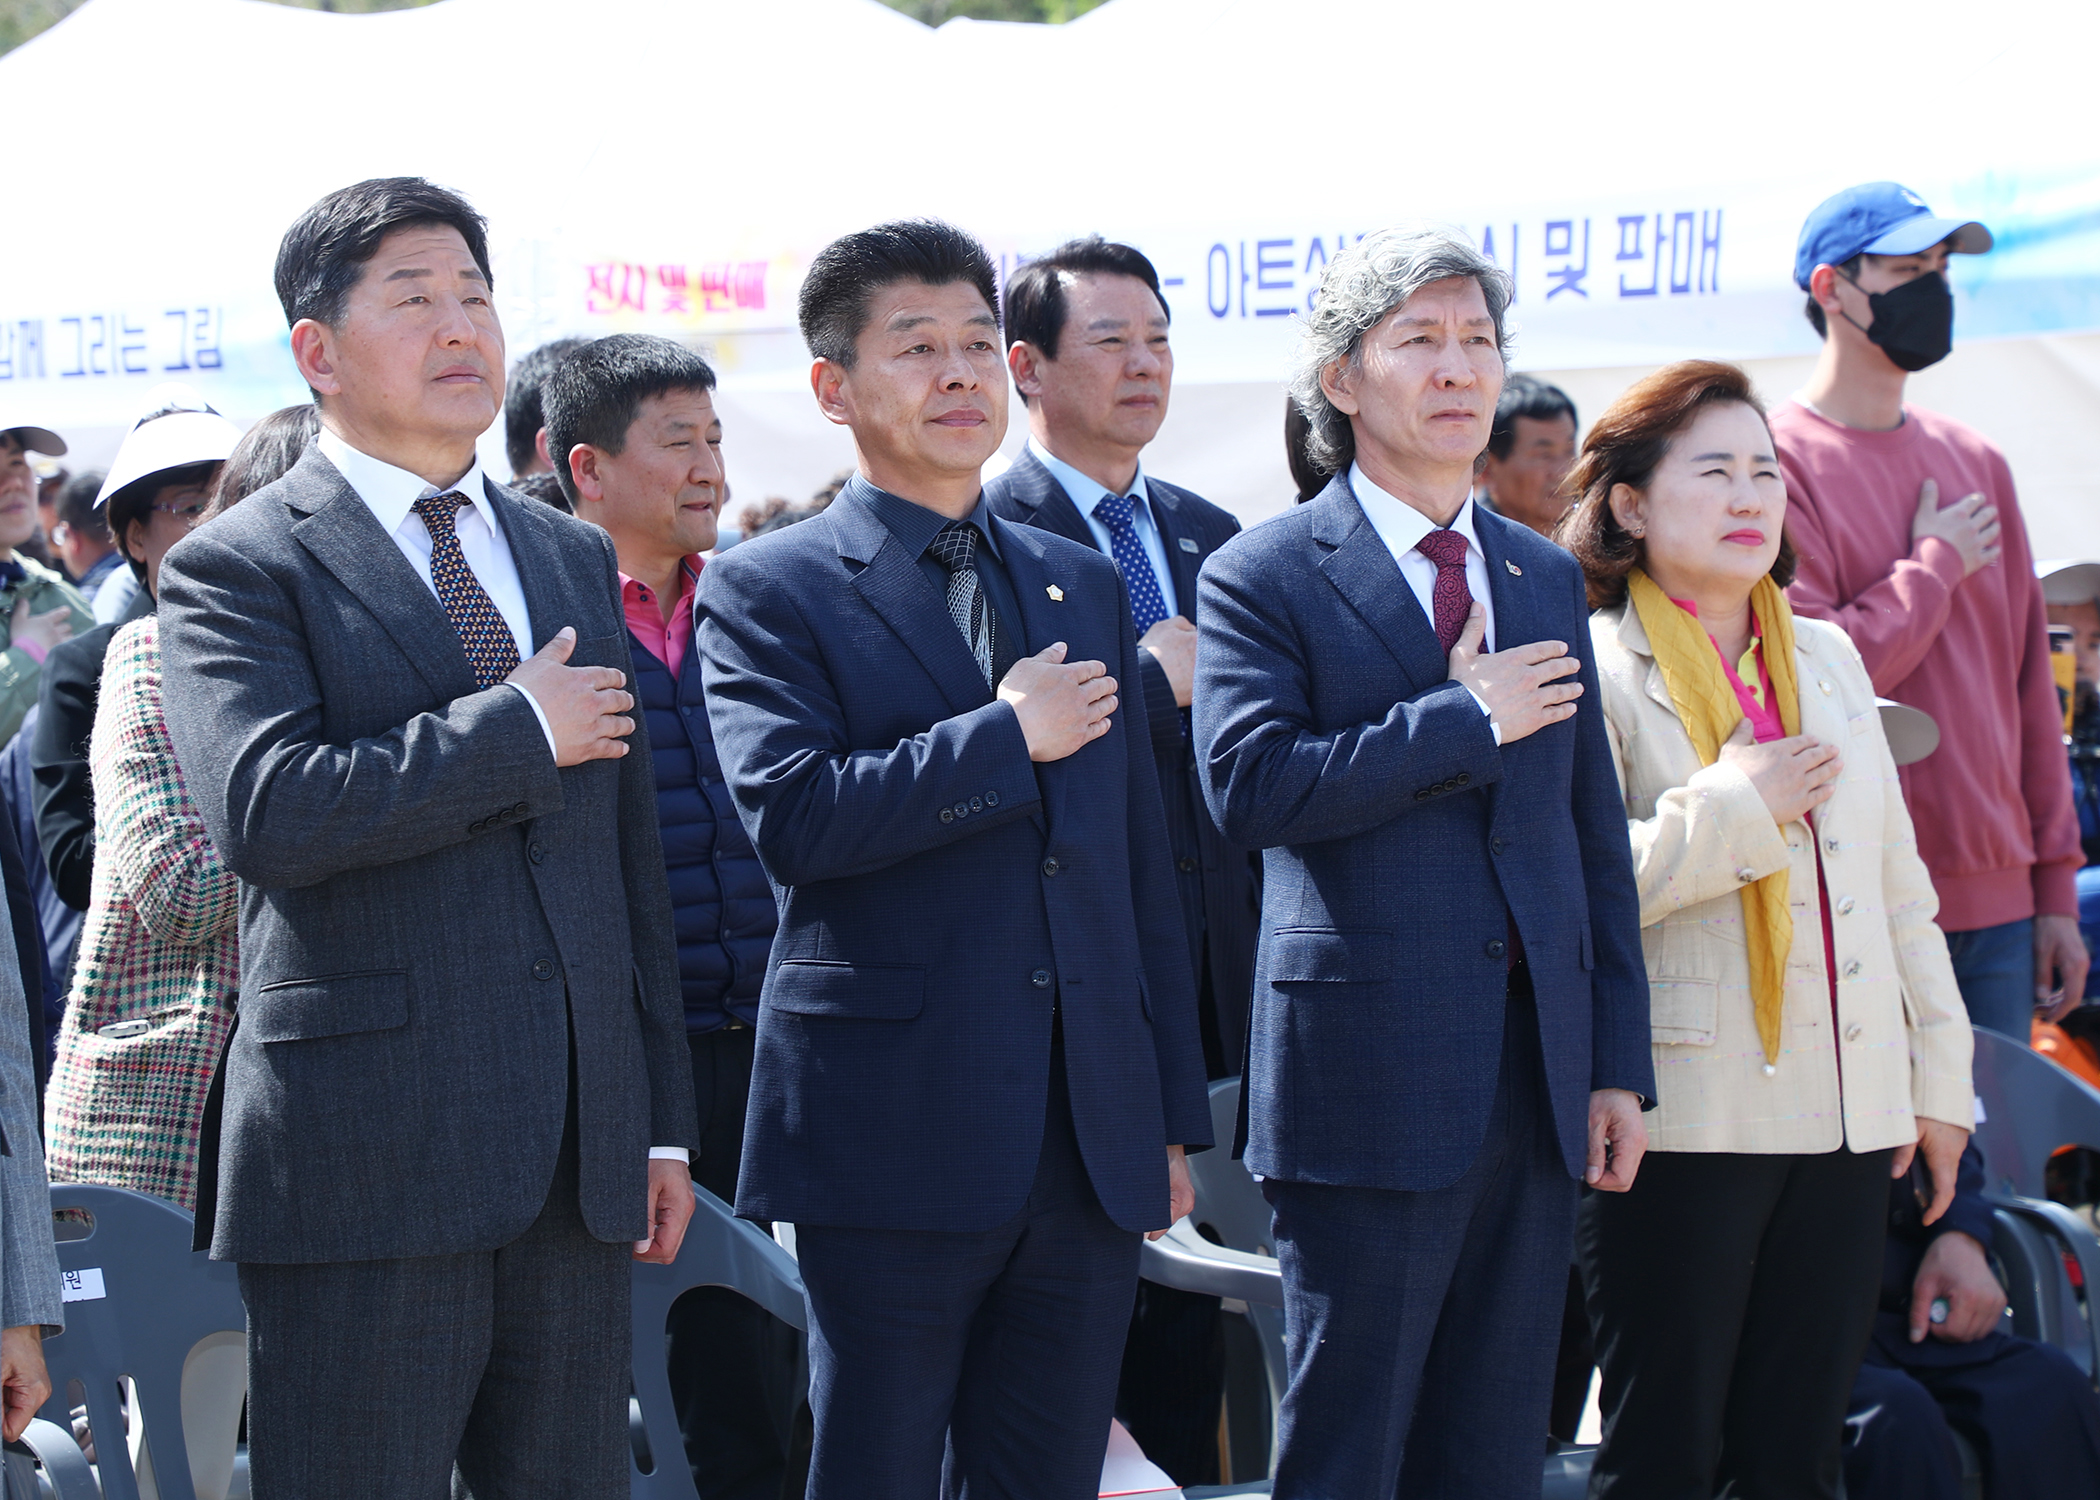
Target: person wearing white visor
x=157, y=487
x=38, y=608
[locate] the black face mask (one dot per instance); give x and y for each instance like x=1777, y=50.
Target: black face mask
x=1914, y=324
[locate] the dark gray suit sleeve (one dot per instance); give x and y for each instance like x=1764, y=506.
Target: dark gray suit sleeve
x=1620, y=1056
x=673, y=1118
x=284, y=807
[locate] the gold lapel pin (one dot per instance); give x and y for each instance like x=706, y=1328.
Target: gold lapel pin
x=1512, y=567
x=1057, y=595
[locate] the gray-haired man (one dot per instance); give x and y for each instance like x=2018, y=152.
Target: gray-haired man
x=1450, y=1019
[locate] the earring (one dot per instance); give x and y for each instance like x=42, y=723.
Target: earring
x=1640, y=531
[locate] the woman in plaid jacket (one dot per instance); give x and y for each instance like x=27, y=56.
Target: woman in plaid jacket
x=159, y=972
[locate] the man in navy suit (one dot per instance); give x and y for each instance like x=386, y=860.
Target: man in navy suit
x=1450, y=1019
x=978, y=1061
x=1087, y=341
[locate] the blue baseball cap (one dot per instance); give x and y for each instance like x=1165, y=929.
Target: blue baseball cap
x=1878, y=218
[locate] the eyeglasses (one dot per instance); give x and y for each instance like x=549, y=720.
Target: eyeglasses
x=187, y=512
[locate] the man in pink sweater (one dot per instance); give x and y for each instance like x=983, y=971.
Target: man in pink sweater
x=1910, y=538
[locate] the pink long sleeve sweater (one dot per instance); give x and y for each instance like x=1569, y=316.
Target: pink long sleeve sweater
x=1992, y=805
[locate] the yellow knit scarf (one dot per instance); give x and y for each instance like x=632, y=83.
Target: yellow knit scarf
x=1705, y=701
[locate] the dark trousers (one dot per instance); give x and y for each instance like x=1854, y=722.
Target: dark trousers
x=1731, y=1296
x=733, y=1365
x=368, y=1379
x=1421, y=1326
x=1173, y=1385
x=975, y=1365
x=2029, y=1412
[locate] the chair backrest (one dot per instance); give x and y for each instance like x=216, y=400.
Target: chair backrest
x=138, y=1300
x=719, y=1250
x=2030, y=1108
x=2031, y=1238
x=1229, y=1202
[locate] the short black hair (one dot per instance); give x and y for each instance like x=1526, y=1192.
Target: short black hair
x=523, y=416
x=1527, y=396
x=327, y=247
x=76, y=505
x=544, y=487
x=592, y=395
x=1035, y=294
x=1815, y=314
x=848, y=272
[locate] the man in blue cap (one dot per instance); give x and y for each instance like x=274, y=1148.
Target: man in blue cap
x=1939, y=595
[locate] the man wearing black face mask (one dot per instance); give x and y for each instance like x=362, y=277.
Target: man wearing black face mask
x=1939, y=595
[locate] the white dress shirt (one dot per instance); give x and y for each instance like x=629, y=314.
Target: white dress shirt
x=390, y=494
x=1087, y=493
x=1400, y=526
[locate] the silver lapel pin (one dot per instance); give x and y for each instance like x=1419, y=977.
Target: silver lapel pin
x=1512, y=567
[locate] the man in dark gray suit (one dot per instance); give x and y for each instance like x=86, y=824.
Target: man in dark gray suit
x=459, y=1082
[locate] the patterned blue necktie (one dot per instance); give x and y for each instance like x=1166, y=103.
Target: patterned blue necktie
x=1147, y=605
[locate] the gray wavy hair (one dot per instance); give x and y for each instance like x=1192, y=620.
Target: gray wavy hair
x=1363, y=283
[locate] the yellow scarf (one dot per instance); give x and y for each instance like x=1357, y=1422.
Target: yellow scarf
x=1706, y=702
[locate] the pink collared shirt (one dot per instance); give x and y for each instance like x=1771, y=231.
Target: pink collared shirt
x=1757, y=702
x=665, y=640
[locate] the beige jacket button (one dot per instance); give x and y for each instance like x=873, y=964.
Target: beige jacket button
x=1852, y=969
x=1746, y=874
x=1845, y=906
x=1830, y=846
x=1852, y=1032
x=1824, y=685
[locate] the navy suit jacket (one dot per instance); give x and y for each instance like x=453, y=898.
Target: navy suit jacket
x=940, y=892
x=1400, y=840
x=1219, y=884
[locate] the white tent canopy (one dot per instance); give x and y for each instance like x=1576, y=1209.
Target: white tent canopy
x=670, y=165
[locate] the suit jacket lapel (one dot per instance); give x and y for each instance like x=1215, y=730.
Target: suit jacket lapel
x=545, y=605
x=898, y=591
x=1049, y=507
x=343, y=535
x=1183, y=563
x=1363, y=571
x=1041, y=623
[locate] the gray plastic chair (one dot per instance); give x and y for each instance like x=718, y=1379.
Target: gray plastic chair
x=719, y=1250
x=2031, y=1107
x=65, y=1467
x=159, y=1299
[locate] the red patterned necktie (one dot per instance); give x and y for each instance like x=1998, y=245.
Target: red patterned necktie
x=492, y=650
x=1453, y=600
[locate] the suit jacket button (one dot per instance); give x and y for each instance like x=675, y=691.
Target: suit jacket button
x=1188, y=866
x=1462, y=778
x=977, y=804
x=477, y=827
x=521, y=809
x=1852, y=969
x=947, y=815
x=537, y=853
x=1497, y=845
x=1422, y=795
x=962, y=809
x=1497, y=948
x=1845, y=906
x=991, y=799
x=1051, y=867
x=1853, y=1032
x=1746, y=874
x=543, y=968
x=1040, y=979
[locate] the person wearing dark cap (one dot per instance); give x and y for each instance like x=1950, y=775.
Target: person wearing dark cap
x=1530, y=450
x=1910, y=538
x=38, y=608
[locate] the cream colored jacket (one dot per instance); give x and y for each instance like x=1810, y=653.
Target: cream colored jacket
x=1900, y=1046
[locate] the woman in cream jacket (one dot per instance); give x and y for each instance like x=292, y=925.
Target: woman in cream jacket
x=1809, y=1038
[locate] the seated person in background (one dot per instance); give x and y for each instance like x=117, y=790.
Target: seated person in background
x=80, y=537
x=2072, y=592
x=1941, y=1358
x=1529, y=452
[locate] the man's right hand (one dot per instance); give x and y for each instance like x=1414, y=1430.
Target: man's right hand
x=585, y=706
x=46, y=629
x=1969, y=526
x=1522, y=686
x=1061, y=705
x=1794, y=776
x=1172, y=642
x=24, y=1385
